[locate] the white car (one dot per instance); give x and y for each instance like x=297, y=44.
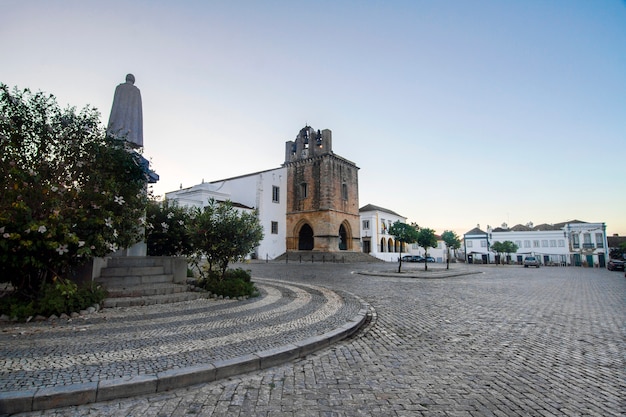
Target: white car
x=531, y=261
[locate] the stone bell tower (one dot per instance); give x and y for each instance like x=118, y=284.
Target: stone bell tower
x=322, y=195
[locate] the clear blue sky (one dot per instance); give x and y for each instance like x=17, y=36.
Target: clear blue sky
x=457, y=112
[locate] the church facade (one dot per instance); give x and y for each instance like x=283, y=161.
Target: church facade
x=310, y=203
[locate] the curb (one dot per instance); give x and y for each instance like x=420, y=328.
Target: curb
x=434, y=274
x=12, y=402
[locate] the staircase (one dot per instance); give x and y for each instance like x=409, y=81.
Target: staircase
x=326, y=257
x=139, y=281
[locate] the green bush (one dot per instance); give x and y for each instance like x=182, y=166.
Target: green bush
x=62, y=296
x=236, y=283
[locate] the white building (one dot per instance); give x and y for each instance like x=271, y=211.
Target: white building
x=263, y=191
x=376, y=240
x=569, y=243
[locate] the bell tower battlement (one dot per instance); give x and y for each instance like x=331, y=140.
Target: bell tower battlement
x=309, y=143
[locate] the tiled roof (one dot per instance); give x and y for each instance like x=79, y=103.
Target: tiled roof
x=371, y=207
x=476, y=231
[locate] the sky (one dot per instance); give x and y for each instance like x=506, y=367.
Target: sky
x=458, y=113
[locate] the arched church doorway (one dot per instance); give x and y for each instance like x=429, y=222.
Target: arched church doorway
x=305, y=238
x=343, y=238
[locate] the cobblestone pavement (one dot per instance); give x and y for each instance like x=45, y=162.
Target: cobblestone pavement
x=508, y=342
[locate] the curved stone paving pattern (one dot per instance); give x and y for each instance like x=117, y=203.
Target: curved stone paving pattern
x=133, y=341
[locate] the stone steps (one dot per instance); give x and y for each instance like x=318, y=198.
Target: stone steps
x=141, y=281
x=329, y=257
x=153, y=299
x=146, y=290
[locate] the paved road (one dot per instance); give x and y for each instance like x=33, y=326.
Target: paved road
x=508, y=342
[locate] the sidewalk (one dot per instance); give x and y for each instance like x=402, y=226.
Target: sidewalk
x=123, y=352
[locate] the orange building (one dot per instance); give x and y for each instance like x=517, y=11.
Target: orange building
x=322, y=195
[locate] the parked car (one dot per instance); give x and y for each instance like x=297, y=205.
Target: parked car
x=430, y=259
x=615, y=265
x=407, y=258
x=427, y=259
x=531, y=261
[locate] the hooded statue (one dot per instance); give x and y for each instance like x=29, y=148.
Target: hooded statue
x=126, y=120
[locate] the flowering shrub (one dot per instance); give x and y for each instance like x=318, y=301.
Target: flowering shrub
x=67, y=191
x=222, y=234
x=167, y=229
x=212, y=236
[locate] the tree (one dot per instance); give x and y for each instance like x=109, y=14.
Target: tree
x=222, y=234
x=67, y=191
x=403, y=233
x=452, y=242
x=499, y=248
x=426, y=239
x=509, y=248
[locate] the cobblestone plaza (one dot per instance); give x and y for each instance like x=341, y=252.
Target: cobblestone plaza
x=506, y=341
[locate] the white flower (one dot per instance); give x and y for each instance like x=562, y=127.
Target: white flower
x=115, y=233
x=170, y=215
x=27, y=231
x=119, y=200
x=62, y=249
x=165, y=226
x=42, y=229
x=6, y=235
x=108, y=222
x=81, y=243
x=182, y=223
x=112, y=247
x=54, y=189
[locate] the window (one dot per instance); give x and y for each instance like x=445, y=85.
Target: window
x=599, y=240
x=275, y=194
x=544, y=243
x=518, y=243
x=304, y=190
x=366, y=224
x=469, y=243
x=536, y=243
x=483, y=243
x=274, y=228
x=344, y=191
x=561, y=243
x=553, y=243
x=527, y=243
x=576, y=241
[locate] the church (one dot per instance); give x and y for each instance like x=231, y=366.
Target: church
x=310, y=203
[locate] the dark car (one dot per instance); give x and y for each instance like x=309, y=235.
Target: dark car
x=412, y=258
x=430, y=259
x=615, y=265
x=531, y=261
